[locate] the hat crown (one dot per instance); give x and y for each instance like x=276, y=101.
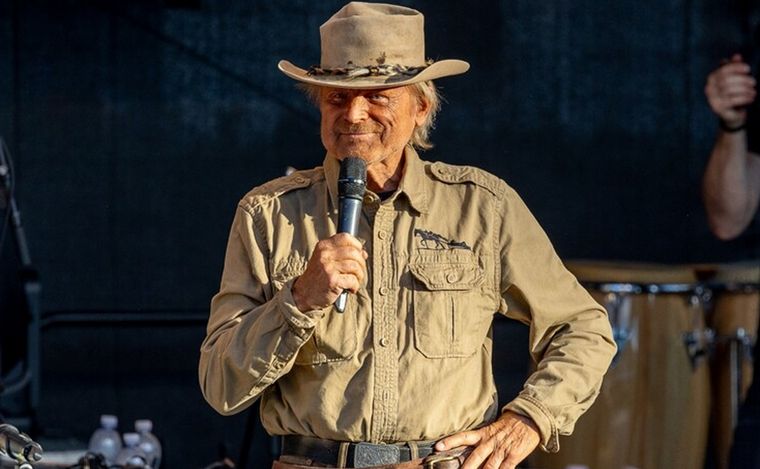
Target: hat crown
x=362, y=34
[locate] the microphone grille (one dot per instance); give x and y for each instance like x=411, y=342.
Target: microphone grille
x=352, y=179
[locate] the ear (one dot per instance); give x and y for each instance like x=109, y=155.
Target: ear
x=422, y=111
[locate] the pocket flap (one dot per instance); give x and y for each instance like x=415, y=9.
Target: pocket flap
x=448, y=275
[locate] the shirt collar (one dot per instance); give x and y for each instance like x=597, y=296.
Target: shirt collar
x=415, y=182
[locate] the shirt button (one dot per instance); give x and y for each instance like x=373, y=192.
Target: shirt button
x=383, y=342
x=451, y=277
x=382, y=234
x=383, y=290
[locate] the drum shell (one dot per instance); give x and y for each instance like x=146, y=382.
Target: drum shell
x=653, y=409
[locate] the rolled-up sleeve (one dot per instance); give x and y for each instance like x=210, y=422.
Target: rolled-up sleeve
x=570, y=337
x=254, y=332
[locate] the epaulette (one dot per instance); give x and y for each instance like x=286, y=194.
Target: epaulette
x=282, y=185
x=454, y=174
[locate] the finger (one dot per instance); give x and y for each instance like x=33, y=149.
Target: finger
x=736, y=85
x=345, y=239
x=336, y=283
x=338, y=272
x=352, y=267
x=512, y=460
x=733, y=67
x=456, y=440
x=516, y=453
x=728, y=108
x=496, y=460
x=732, y=103
x=739, y=100
x=728, y=71
x=346, y=253
x=482, y=453
x=349, y=282
x=734, y=99
x=722, y=90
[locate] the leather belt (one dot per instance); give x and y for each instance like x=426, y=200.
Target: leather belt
x=357, y=455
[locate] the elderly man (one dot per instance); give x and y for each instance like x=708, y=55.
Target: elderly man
x=405, y=372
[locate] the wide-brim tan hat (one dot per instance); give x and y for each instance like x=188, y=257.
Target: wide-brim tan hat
x=373, y=45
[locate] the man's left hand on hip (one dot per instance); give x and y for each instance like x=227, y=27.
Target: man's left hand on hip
x=500, y=445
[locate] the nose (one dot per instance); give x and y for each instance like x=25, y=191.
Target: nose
x=356, y=109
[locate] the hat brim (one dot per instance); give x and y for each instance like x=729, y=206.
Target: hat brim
x=435, y=70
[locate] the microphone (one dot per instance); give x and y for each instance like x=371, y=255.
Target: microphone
x=18, y=446
x=352, y=182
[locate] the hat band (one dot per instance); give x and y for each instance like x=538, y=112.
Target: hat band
x=354, y=71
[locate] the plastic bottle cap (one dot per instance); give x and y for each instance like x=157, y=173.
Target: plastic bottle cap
x=131, y=439
x=109, y=421
x=143, y=425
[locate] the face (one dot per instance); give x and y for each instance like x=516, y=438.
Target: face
x=374, y=125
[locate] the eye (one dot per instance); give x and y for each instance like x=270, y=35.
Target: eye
x=377, y=98
x=336, y=97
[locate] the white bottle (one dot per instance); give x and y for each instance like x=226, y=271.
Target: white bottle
x=106, y=440
x=149, y=443
x=131, y=455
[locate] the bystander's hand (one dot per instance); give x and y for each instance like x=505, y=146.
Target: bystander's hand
x=729, y=89
x=337, y=264
x=500, y=445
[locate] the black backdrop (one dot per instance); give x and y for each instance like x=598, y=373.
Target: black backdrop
x=136, y=126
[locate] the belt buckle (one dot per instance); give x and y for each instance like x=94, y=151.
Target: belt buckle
x=434, y=460
x=368, y=454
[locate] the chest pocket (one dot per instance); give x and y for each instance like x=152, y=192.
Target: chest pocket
x=335, y=336
x=452, y=312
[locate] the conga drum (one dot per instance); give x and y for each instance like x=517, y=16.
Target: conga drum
x=654, y=405
x=733, y=314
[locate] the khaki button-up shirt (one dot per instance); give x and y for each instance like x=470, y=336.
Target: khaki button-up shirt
x=411, y=357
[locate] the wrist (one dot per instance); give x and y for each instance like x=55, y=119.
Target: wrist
x=297, y=299
x=732, y=127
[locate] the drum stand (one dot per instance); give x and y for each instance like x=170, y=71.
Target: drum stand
x=740, y=349
x=699, y=342
x=29, y=377
x=19, y=447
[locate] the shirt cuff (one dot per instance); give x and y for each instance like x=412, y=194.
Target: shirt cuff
x=302, y=323
x=530, y=407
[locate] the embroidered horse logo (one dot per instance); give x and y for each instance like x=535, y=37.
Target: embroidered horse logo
x=430, y=240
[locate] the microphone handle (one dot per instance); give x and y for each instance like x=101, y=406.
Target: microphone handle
x=348, y=222
x=340, y=303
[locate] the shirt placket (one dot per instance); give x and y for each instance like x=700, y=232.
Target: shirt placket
x=385, y=404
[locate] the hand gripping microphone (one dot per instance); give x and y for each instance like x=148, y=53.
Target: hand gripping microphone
x=352, y=182
x=18, y=446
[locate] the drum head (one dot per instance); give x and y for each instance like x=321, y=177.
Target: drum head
x=638, y=273
x=744, y=274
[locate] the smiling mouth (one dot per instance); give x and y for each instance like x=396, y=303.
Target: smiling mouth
x=351, y=130
x=356, y=134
